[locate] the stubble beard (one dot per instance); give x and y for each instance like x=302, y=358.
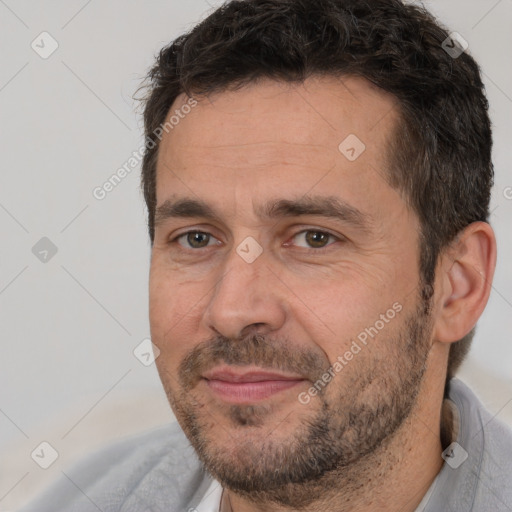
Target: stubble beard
x=338, y=443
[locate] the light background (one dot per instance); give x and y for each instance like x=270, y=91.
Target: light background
x=69, y=326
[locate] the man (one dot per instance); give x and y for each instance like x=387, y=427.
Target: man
x=317, y=178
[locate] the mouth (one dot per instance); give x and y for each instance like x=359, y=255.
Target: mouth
x=243, y=386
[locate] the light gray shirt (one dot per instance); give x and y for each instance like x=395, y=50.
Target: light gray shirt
x=159, y=471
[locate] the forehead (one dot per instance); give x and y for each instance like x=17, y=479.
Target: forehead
x=269, y=133
x=315, y=110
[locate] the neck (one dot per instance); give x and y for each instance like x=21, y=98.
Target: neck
x=394, y=477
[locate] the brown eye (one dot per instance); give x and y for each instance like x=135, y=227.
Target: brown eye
x=317, y=239
x=313, y=239
x=194, y=239
x=198, y=239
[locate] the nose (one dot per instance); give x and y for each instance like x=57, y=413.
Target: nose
x=246, y=298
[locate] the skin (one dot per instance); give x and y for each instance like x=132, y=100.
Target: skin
x=238, y=150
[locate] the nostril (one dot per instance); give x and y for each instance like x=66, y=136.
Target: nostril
x=252, y=329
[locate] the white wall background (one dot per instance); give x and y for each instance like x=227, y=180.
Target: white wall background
x=68, y=326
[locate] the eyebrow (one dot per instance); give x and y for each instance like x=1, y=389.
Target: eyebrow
x=324, y=206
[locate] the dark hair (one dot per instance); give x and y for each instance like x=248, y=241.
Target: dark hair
x=440, y=155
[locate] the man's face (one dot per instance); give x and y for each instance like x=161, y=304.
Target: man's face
x=277, y=254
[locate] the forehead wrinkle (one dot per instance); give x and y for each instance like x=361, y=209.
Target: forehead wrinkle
x=281, y=150
x=259, y=143
x=233, y=158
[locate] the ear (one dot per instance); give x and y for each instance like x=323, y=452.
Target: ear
x=466, y=271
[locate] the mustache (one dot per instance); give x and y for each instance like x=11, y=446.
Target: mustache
x=254, y=349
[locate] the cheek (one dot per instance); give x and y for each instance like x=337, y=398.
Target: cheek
x=336, y=315
x=341, y=302
x=172, y=292
x=174, y=312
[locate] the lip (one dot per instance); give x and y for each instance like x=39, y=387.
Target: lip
x=247, y=386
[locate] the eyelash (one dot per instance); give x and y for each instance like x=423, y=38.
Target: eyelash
x=307, y=249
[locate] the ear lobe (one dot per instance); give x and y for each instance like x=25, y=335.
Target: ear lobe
x=467, y=270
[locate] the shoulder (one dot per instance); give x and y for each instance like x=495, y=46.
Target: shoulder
x=479, y=428
x=153, y=472
x=491, y=442
x=477, y=475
